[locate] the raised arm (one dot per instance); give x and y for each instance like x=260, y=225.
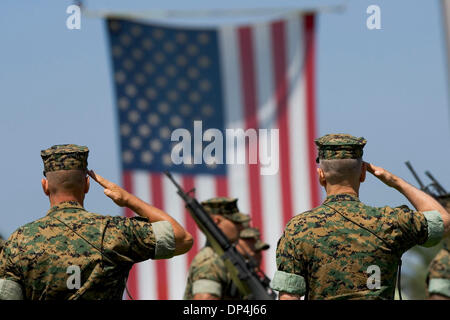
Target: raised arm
x=419, y=199
x=183, y=239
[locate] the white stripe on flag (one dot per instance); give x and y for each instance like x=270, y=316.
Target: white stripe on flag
x=270, y=184
x=234, y=117
x=297, y=116
x=205, y=188
x=146, y=270
x=177, y=269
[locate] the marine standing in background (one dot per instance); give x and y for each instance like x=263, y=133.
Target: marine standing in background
x=251, y=246
x=74, y=254
x=208, y=277
x=344, y=249
x=438, y=278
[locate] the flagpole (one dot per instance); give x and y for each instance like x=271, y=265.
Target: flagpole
x=174, y=14
x=445, y=5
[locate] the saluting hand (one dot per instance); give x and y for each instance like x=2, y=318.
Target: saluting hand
x=112, y=190
x=385, y=176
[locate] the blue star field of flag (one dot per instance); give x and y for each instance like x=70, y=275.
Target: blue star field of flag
x=165, y=78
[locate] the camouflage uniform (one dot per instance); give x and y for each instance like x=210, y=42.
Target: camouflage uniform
x=208, y=273
x=2, y=244
x=252, y=241
x=39, y=255
x=322, y=254
x=438, y=279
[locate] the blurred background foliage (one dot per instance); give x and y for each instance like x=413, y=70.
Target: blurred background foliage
x=414, y=278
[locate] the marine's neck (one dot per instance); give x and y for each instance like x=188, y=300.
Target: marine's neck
x=58, y=198
x=337, y=189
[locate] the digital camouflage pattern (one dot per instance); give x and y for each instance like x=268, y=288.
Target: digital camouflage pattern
x=340, y=146
x=226, y=207
x=38, y=255
x=65, y=157
x=333, y=254
x=440, y=266
x=207, y=265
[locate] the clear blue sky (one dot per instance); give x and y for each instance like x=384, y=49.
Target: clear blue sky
x=387, y=85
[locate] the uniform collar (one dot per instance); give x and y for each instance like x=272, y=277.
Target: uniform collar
x=341, y=197
x=65, y=205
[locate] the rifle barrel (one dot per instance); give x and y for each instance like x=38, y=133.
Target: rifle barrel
x=437, y=185
x=408, y=164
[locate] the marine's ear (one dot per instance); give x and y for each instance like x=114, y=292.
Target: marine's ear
x=44, y=183
x=216, y=218
x=87, y=184
x=362, y=177
x=321, y=176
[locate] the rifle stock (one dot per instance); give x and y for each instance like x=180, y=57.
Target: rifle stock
x=438, y=193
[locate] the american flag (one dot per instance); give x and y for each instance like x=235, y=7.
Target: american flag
x=256, y=76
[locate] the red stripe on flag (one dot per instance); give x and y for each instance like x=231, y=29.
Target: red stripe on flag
x=310, y=53
x=161, y=265
x=132, y=283
x=249, y=94
x=221, y=187
x=251, y=118
x=191, y=226
x=278, y=30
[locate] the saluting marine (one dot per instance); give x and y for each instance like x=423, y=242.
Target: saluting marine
x=209, y=278
x=331, y=251
x=40, y=256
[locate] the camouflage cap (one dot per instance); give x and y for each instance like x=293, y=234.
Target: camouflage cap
x=65, y=157
x=260, y=245
x=253, y=233
x=250, y=233
x=340, y=146
x=226, y=207
x=246, y=224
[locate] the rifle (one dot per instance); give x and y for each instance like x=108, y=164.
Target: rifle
x=439, y=192
x=244, y=277
x=262, y=276
x=408, y=164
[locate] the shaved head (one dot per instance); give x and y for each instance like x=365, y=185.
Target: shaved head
x=66, y=181
x=341, y=171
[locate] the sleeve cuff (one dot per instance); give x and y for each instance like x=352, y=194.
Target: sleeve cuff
x=439, y=286
x=435, y=228
x=207, y=286
x=288, y=282
x=165, y=239
x=10, y=290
